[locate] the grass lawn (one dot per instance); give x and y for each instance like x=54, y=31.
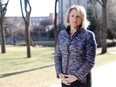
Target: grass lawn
x=108, y=57
x=14, y=63
x=14, y=60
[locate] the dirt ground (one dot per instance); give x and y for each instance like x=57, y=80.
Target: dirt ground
x=38, y=78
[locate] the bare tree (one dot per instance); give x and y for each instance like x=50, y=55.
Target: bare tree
x=27, y=7
x=55, y=23
x=3, y=9
x=112, y=19
x=14, y=29
x=103, y=3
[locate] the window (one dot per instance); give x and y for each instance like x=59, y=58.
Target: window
x=33, y=23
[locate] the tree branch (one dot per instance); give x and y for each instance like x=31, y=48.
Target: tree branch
x=5, y=8
x=101, y=3
x=29, y=6
x=27, y=3
x=22, y=10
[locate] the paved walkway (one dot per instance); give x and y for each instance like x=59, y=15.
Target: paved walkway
x=104, y=76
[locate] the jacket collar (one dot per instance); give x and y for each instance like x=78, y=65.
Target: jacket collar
x=78, y=31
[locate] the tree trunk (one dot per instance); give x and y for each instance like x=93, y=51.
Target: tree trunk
x=55, y=24
x=103, y=3
x=3, y=49
x=104, y=29
x=27, y=30
x=27, y=24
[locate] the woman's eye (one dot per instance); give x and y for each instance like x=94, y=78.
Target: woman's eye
x=75, y=16
x=78, y=16
x=72, y=15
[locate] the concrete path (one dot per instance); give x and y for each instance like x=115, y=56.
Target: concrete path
x=104, y=76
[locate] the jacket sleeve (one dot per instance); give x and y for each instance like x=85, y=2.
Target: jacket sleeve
x=58, y=59
x=90, y=57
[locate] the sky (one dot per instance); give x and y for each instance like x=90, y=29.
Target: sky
x=39, y=7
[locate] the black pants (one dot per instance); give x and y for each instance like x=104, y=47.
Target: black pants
x=77, y=83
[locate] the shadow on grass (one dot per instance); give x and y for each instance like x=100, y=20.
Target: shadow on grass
x=15, y=73
x=101, y=54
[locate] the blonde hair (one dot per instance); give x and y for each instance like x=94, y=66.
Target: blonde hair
x=81, y=12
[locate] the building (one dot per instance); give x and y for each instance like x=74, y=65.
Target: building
x=35, y=21
x=16, y=27
x=40, y=26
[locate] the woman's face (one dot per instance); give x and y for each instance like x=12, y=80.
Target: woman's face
x=74, y=19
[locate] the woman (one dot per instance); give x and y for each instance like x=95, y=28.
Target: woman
x=76, y=49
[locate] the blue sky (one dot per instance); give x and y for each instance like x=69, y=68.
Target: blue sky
x=39, y=7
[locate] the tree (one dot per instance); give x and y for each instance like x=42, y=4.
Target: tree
x=14, y=29
x=3, y=9
x=93, y=10
x=103, y=3
x=55, y=23
x=27, y=7
x=111, y=20
x=92, y=15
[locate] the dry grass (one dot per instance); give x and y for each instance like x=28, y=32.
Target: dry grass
x=108, y=57
x=15, y=59
x=44, y=77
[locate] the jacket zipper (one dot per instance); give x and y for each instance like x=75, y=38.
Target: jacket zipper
x=68, y=57
x=70, y=40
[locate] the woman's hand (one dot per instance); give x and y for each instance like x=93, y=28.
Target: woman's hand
x=63, y=79
x=61, y=75
x=70, y=78
x=67, y=79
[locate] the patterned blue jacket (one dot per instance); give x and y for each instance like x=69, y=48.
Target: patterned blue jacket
x=76, y=55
